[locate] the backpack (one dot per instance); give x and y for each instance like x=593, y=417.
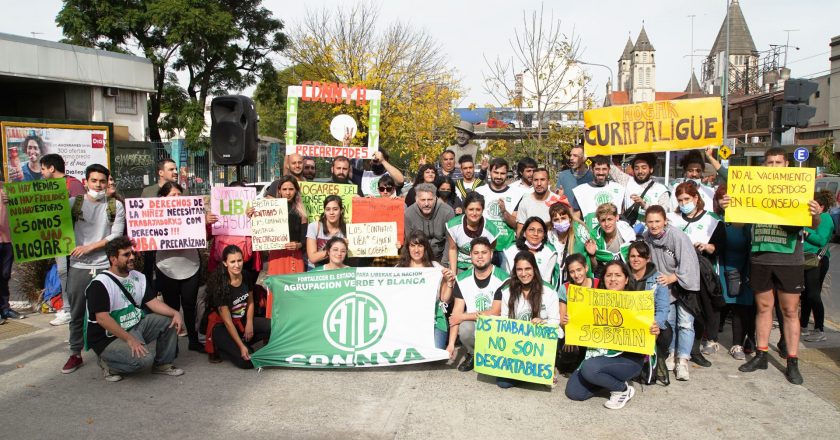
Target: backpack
x=710, y=282
x=76, y=211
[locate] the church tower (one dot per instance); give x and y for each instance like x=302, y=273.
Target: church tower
x=625, y=73
x=643, y=88
x=743, y=57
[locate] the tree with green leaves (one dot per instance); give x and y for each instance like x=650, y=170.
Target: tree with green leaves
x=218, y=45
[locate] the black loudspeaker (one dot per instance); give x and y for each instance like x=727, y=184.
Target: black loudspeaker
x=233, y=133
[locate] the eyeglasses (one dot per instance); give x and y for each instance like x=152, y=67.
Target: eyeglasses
x=388, y=188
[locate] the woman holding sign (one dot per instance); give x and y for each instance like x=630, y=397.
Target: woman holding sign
x=177, y=276
x=417, y=252
x=331, y=224
x=526, y=292
x=290, y=259
x=610, y=369
x=231, y=325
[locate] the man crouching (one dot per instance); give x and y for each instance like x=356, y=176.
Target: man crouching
x=118, y=328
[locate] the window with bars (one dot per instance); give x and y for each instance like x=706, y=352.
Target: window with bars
x=126, y=102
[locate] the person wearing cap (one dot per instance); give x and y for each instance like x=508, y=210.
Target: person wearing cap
x=464, y=133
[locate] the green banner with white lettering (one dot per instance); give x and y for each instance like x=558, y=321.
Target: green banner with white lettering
x=353, y=317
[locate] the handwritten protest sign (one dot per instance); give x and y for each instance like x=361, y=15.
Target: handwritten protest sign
x=372, y=239
x=682, y=124
x=39, y=219
x=230, y=205
x=313, y=194
x=333, y=93
x=166, y=223
x=614, y=320
x=270, y=224
x=377, y=210
x=515, y=349
x=772, y=196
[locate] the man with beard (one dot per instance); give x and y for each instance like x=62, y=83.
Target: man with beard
x=470, y=180
x=475, y=294
x=641, y=182
x=294, y=167
x=368, y=180
x=536, y=204
x=501, y=201
x=167, y=172
x=464, y=132
x=525, y=170
x=594, y=194
x=118, y=330
x=309, y=168
x=430, y=216
x=577, y=174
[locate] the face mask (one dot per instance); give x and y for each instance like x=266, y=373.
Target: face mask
x=444, y=194
x=531, y=246
x=696, y=181
x=687, y=208
x=96, y=195
x=562, y=227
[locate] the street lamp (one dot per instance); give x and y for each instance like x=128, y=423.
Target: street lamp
x=609, y=81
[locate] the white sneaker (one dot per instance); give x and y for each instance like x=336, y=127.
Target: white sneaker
x=167, y=369
x=669, y=361
x=110, y=376
x=61, y=318
x=620, y=398
x=681, y=370
x=803, y=331
x=709, y=347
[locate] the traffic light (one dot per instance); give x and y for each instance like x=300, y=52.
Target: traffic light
x=795, y=111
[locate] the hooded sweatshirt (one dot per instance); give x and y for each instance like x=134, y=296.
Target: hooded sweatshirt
x=434, y=227
x=674, y=253
x=661, y=294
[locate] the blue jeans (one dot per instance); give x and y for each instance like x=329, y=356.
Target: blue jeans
x=683, y=321
x=152, y=328
x=610, y=373
x=441, y=338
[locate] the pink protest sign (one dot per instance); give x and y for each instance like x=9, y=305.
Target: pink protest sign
x=166, y=223
x=229, y=204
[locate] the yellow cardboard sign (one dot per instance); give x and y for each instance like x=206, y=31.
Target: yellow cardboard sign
x=515, y=349
x=771, y=196
x=610, y=319
x=682, y=124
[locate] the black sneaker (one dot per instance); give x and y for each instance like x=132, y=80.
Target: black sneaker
x=758, y=362
x=11, y=314
x=792, y=372
x=196, y=346
x=700, y=360
x=467, y=364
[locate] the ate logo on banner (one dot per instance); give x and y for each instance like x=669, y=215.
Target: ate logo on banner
x=355, y=321
x=603, y=197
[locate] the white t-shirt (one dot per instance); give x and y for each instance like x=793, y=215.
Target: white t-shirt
x=529, y=206
x=546, y=262
x=511, y=197
x=590, y=197
x=478, y=299
x=699, y=231
x=549, y=307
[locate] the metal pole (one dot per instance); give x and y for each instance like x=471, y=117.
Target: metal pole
x=726, y=80
x=691, y=57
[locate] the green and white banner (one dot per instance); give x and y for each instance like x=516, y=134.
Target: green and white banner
x=354, y=317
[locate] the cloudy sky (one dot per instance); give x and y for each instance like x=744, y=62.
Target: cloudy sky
x=470, y=30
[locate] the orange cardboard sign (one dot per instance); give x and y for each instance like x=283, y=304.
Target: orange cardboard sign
x=379, y=210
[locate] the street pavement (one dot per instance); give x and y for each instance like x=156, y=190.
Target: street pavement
x=420, y=401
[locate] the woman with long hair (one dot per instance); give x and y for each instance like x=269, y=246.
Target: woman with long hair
x=816, y=268
x=610, y=369
x=446, y=194
x=464, y=228
x=708, y=234
x=331, y=224
x=417, y=252
x=290, y=258
x=577, y=272
x=532, y=238
x=177, y=276
x=526, y=297
x=426, y=174
x=675, y=258
x=231, y=325
x=567, y=234
x=336, y=249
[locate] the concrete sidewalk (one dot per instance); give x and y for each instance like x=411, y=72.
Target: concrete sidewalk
x=422, y=401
